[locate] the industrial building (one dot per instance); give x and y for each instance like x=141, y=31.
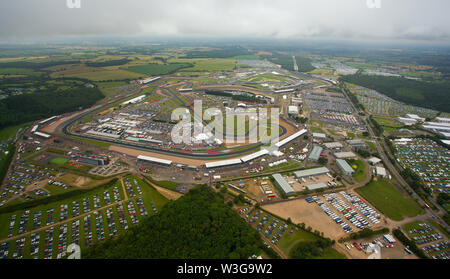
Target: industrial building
x=345, y=167
x=255, y=155
x=315, y=153
x=442, y=120
x=48, y=120
x=407, y=121
x=92, y=159
x=319, y=135
x=333, y=145
x=344, y=155
x=293, y=110
x=381, y=172
x=311, y=172
x=357, y=144
x=154, y=160
x=374, y=160
x=135, y=100
x=282, y=183
x=42, y=135
x=316, y=186
x=148, y=80
x=290, y=138
x=223, y=163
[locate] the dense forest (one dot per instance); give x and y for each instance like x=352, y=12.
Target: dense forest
x=286, y=61
x=199, y=225
x=419, y=93
x=226, y=52
x=29, y=107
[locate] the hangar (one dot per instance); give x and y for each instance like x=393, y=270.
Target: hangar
x=154, y=160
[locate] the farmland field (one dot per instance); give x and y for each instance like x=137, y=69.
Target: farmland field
x=158, y=69
x=107, y=75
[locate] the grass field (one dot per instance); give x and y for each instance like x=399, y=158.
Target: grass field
x=360, y=170
x=389, y=200
x=387, y=122
x=288, y=241
x=164, y=183
x=10, y=132
x=109, y=88
x=59, y=161
x=16, y=71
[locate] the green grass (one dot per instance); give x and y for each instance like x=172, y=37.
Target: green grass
x=389, y=200
x=387, y=122
x=330, y=253
x=163, y=183
x=109, y=88
x=371, y=145
x=59, y=161
x=10, y=132
x=15, y=71
x=360, y=171
x=56, y=190
x=288, y=241
x=315, y=129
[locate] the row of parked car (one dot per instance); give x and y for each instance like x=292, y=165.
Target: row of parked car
x=362, y=207
x=24, y=221
x=122, y=219
x=62, y=241
x=129, y=188
x=48, y=247
x=34, y=247
x=142, y=210
x=421, y=239
x=443, y=245
x=111, y=224
x=99, y=225
x=88, y=238
x=4, y=248
x=18, y=252
x=37, y=220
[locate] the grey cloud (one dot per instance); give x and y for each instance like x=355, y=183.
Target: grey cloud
x=297, y=19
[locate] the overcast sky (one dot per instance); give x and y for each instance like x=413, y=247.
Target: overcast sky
x=421, y=20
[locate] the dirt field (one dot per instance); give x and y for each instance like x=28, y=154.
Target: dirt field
x=312, y=215
x=253, y=188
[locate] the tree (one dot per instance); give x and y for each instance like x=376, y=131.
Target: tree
x=323, y=160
